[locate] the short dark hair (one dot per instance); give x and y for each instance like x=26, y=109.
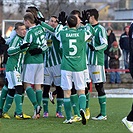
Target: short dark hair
x=29, y=16
x=74, y=12
x=72, y=21
x=54, y=16
x=18, y=24
x=94, y=12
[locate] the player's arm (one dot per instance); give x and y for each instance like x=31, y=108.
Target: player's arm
x=103, y=40
x=48, y=27
x=40, y=50
x=18, y=49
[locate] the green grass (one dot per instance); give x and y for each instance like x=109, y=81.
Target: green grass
x=117, y=108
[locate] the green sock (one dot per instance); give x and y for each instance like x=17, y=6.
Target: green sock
x=102, y=102
x=82, y=101
x=67, y=107
x=45, y=104
x=9, y=101
x=39, y=96
x=75, y=104
x=3, y=96
x=18, y=103
x=87, y=100
x=31, y=95
x=59, y=104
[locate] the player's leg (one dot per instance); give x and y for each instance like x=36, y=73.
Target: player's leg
x=39, y=78
x=59, y=98
x=78, y=78
x=98, y=77
x=46, y=88
x=87, y=92
x=45, y=99
x=19, y=103
x=56, y=72
x=8, y=103
x=28, y=77
x=4, y=92
x=75, y=104
x=66, y=84
x=11, y=91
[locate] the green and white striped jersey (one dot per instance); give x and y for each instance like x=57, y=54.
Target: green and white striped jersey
x=36, y=37
x=100, y=43
x=73, y=43
x=53, y=56
x=90, y=29
x=16, y=55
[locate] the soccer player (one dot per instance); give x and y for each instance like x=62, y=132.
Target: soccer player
x=33, y=68
x=82, y=24
x=52, y=72
x=38, y=18
x=13, y=72
x=73, y=44
x=128, y=120
x=96, y=60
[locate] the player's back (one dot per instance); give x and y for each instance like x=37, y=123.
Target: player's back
x=74, y=49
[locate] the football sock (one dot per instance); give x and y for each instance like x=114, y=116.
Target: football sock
x=31, y=95
x=102, y=102
x=87, y=100
x=75, y=104
x=82, y=101
x=67, y=107
x=3, y=96
x=9, y=101
x=45, y=104
x=39, y=96
x=18, y=103
x=59, y=104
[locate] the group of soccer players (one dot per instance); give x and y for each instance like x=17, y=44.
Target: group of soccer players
x=69, y=52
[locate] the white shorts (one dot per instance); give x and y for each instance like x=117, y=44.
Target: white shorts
x=97, y=73
x=77, y=77
x=52, y=74
x=87, y=76
x=33, y=73
x=13, y=78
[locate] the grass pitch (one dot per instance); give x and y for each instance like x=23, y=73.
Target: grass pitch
x=117, y=108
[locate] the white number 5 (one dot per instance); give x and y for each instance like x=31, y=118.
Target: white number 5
x=71, y=45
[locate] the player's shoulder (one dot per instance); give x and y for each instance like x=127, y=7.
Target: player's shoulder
x=100, y=27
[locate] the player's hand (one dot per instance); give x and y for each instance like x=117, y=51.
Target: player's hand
x=62, y=18
x=25, y=45
x=85, y=17
x=42, y=19
x=35, y=51
x=91, y=47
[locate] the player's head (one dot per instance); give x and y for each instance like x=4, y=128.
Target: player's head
x=77, y=14
x=94, y=13
x=33, y=10
x=20, y=29
x=53, y=21
x=72, y=21
x=29, y=20
x=36, y=13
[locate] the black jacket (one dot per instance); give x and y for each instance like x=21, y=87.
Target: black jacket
x=131, y=49
x=124, y=41
x=111, y=38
